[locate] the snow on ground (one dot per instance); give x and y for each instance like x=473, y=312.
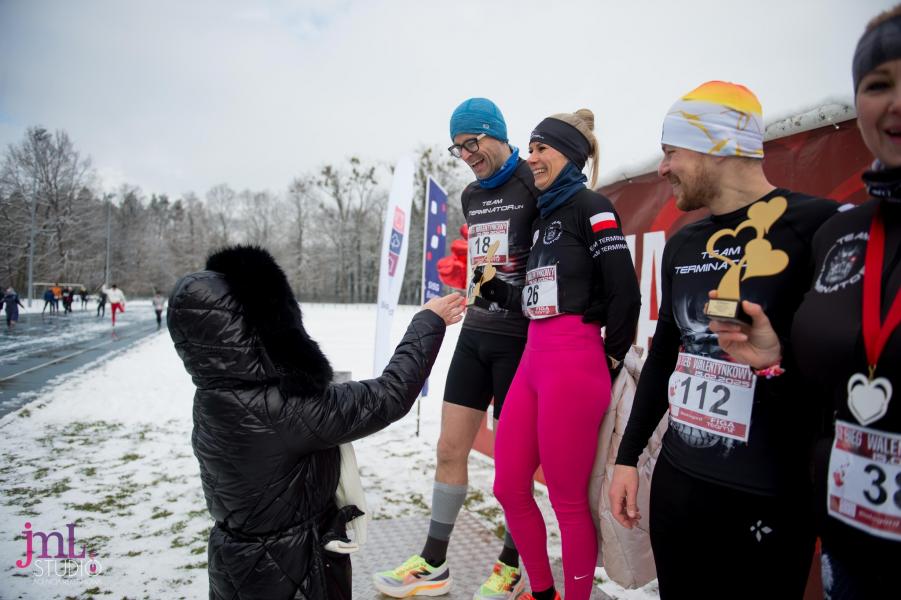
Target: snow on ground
x=108, y=448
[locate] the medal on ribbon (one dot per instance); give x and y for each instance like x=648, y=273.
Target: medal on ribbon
x=869, y=396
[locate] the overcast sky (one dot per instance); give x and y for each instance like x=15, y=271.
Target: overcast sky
x=181, y=95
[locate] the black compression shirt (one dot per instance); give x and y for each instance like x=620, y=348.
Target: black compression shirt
x=503, y=214
x=781, y=432
x=830, y=349
x=581, y=245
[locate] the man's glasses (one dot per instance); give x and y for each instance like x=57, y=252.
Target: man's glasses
x=471, y=145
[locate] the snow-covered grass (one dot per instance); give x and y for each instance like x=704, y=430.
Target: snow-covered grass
x=112, y=454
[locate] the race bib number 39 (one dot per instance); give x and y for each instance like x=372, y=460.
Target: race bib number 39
x=482, y=235
x=714, y=395
x=865, y=480
x=539, y=297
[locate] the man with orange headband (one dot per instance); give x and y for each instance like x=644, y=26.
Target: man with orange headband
x=730, y=498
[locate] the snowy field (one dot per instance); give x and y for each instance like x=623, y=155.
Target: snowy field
x=112, y=454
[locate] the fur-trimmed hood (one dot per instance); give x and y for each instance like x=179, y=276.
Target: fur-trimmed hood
x=239, y=320
x=267, y=425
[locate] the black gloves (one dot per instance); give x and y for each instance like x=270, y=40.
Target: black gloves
x=495, y=290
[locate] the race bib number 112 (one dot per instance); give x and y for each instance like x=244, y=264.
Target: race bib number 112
x=714, y=395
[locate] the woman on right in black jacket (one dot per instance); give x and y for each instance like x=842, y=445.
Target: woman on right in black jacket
x=268, y=423
x=847, y=342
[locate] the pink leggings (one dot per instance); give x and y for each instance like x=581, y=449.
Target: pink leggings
x=551, y=418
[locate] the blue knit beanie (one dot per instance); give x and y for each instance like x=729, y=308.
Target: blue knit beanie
x=478, y=115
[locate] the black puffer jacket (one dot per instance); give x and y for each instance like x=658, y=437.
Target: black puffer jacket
x=267, y=423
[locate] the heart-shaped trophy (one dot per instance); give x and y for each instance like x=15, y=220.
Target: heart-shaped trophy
x=758, y=259
x=868, y=400
x=487, y=274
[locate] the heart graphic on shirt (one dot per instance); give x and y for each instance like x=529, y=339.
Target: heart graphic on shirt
x=716, y=237
x=868, y=400
x=764, y=214
x=761, y=217
x=762, y=260
x=758, y=258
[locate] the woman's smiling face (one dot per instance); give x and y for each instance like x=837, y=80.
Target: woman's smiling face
x=545, y=163
x=878, y=103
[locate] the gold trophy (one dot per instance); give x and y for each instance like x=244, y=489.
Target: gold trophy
x=487, y=274
x=758, y=260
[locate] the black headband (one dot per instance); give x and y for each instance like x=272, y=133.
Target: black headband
x=879, y=45
x=564, y=138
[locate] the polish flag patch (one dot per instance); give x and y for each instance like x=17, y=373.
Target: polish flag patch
x=602, y=221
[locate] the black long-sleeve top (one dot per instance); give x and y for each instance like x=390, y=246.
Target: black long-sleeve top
x=776, y=454
x=509, y=209
x=584, y=243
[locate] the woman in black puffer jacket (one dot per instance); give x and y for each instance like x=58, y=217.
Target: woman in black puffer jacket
x=268, y=422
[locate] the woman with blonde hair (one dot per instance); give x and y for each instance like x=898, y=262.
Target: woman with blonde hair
x=579, y=278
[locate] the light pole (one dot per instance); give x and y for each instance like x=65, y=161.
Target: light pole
x=109, y=208
x=34, y=210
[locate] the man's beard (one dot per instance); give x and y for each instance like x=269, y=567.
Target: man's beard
x=698, y=190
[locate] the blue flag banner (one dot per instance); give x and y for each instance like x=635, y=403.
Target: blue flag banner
x=434, y=243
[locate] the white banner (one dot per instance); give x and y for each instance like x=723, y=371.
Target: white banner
x=395, y=241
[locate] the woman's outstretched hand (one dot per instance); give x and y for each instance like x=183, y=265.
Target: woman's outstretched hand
x=449, y=308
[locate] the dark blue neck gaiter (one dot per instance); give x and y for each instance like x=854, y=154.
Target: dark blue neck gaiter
x=570, y=181
x=502, y=175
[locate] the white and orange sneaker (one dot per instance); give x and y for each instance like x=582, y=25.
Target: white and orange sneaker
x=415, y=577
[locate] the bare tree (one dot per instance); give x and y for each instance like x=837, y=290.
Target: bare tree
x=350, y=213
x=44, y=183
x=260, y=215
x=326, y=229
x=15, y=230
x=221, y=206
x=301, y=204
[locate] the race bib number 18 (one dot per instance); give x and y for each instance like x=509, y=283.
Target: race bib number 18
x=482, y=235
x=865, y=480
x=714, y=395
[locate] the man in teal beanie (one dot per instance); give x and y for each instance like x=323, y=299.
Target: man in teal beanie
x=489, y=150
x=499, y=207
x=478, y=115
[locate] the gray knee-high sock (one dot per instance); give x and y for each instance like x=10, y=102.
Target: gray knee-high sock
x=509, y=555
x=447, y=500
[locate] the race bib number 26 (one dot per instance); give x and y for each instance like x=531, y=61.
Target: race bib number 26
x=865, y=480
x=539, y=297
x=714, y=395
